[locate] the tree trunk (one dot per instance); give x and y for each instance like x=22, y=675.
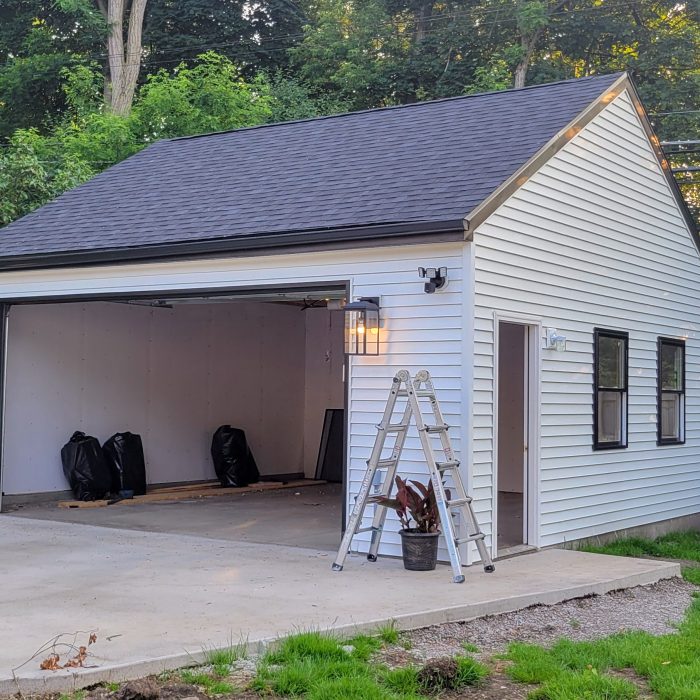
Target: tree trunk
x=528, y=45
x=124, y=58
x=422, y=15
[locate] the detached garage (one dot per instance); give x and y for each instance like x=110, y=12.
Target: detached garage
x=529, y=248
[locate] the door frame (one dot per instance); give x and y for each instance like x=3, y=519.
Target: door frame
x=531, y=497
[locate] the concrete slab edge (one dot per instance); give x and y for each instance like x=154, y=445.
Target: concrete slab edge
x=37, y=682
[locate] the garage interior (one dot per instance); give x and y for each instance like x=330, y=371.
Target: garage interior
x=173, y=369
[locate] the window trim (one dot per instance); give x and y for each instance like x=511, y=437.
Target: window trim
x=623, y=443
x=661, y=441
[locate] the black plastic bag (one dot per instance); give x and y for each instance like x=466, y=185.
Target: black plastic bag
x=124, y=456
x=85, y=467
x=233, y=461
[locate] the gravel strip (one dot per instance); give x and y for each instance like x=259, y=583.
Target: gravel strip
x=655, y=609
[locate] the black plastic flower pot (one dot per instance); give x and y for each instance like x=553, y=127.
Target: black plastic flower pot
x=420, y=550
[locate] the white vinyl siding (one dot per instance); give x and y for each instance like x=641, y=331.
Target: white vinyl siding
x=594, y=239
x=418, y=330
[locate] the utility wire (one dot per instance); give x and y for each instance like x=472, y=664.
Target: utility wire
x=144, y=57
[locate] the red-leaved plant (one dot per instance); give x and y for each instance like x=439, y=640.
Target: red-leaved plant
x=417, y=505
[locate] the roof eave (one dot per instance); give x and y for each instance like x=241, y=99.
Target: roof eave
x=483, y=210
x=263, y=244
x=663, y=161
x=480, y=213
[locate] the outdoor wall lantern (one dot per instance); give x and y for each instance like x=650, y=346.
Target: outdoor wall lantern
x=362, y=326
x=553, y=340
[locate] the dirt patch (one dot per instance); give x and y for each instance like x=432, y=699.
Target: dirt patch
x=641, y=683
x=655, y=609
x=496, y=687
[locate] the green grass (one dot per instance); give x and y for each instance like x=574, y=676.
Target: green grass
x=401, y=680
x=471, y=648
x=228, y=655
x=209, y=683
x=577, y=670
x=365, y=646
x=317, y=667
x=469, y=672
x=675, y=545
x=388, y=633
x=75, y=695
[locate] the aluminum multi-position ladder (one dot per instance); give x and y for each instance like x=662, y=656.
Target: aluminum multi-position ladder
x=420, y=387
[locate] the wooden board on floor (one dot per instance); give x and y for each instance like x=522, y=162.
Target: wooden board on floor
x=181, y=493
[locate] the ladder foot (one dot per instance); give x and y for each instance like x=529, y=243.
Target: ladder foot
x=489, y=569
x=371, y=557
x=337, y=567
x=458, y=579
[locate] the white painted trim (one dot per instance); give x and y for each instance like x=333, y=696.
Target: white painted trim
x=484, y=209
x=467, y=393
x=5, y=320
x=532, y=482
x=534, y=432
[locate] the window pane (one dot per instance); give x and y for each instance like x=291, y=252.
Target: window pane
x=670, y=415
x=671, y=367
x=611, y=362
x=609, y=416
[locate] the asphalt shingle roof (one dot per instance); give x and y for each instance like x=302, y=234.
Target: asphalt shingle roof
x=425, y=162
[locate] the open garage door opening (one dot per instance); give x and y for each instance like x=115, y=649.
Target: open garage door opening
x=173, y=369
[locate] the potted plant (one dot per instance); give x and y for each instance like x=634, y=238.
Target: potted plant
x=417, y=509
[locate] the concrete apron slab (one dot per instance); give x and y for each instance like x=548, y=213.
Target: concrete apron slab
x=156, y=601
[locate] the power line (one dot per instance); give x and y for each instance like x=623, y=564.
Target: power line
x=601, y=10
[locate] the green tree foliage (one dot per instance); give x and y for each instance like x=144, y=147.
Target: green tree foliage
x=324, y=56
x=254, y=36
x=32, y=172
x=37, y=41
x=211, y=95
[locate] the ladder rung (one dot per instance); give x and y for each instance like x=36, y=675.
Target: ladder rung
x=459, y=502
x=421, y=393
x=388, y=462
x=436, y=428
x=367, y=529
x=451, y=464
x=471, y=538
x=395, y=428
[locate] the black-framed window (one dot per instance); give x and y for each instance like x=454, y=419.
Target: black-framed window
x=610, y=378
x=670, y=418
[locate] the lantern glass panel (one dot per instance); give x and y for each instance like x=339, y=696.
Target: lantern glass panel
x=362, y=331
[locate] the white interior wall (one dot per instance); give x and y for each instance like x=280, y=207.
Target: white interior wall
x=324, y=359
x=511, y=407
x=172, y=375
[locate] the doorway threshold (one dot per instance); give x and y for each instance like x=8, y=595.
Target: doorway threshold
x=515, y=550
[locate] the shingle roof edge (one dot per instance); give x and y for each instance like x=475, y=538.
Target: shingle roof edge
x=408, y=106
x=366, y=235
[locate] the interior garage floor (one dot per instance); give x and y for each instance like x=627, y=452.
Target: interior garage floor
x=307, y=517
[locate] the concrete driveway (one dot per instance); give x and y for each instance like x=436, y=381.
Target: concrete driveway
x=156, y=600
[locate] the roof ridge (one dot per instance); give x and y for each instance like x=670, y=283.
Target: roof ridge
x=408, y=105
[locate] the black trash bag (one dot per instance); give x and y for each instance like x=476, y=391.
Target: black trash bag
x=85, y=467
x=124, y=456
x=233, y=461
